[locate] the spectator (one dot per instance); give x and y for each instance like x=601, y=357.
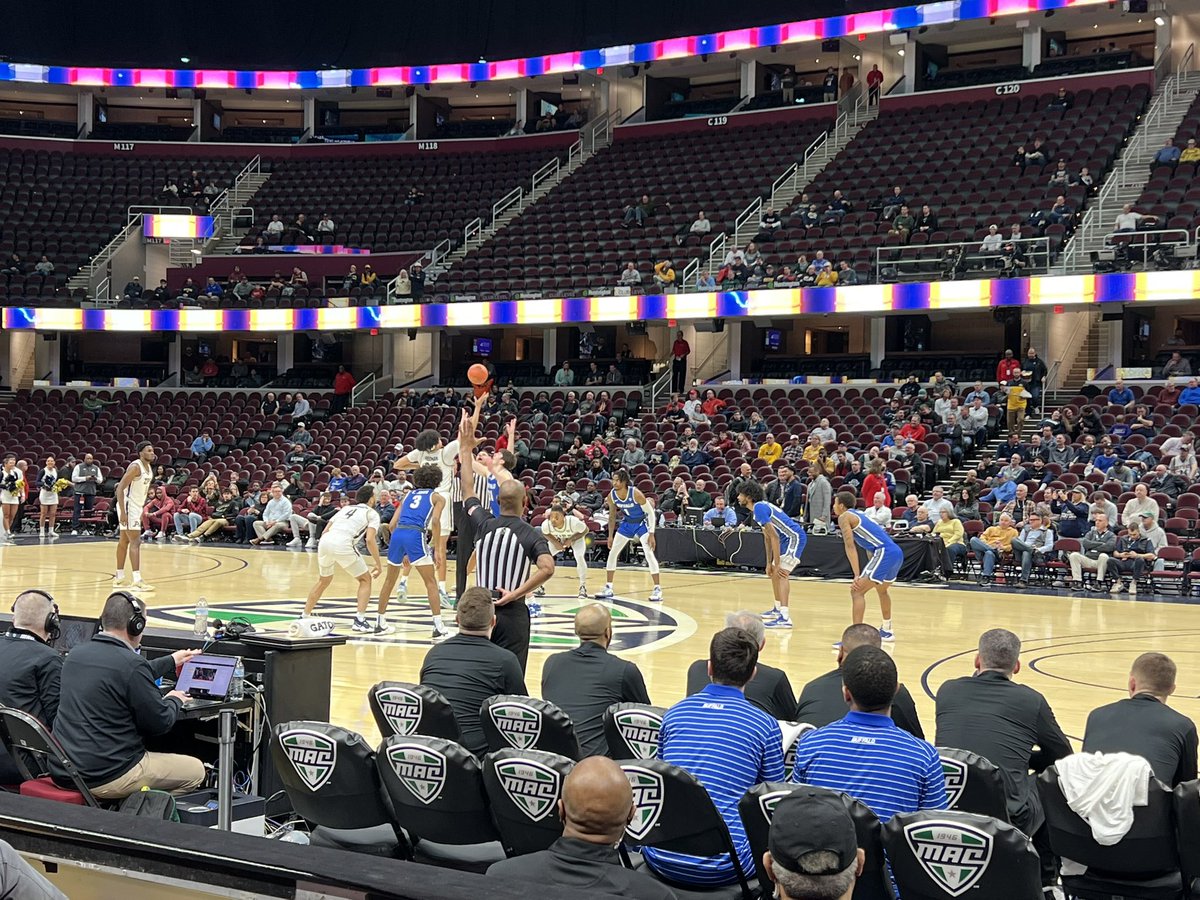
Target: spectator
x=202, y=447
x=879, y=511
x=1085, y=178
x=276, y=517
x=903, y=224
x=1176, y=366
x=876, y=482
x=565, y=376
x=1004, y=722
x=1033, y=545
x=720, y=515
x=927, y=222
x=845, y=274
x=693, y=456
x=950, y=530
x=1132, y=554
x=865, y=754
x=829, y=85
x=1128, y=220
x=1142, y=724
x=995, y=542
x=1012, y=261
x=785, y=491
x=914, y=429
x=893, y=203
x=1140, y=504
x=1190, y=395
x=343, y=385
x=1061, y=212
x=1095, y=549
x=768, y=224
x=638, y=213
x=1062, y=100
x=1191, y=153
x=325, y=228
x=729, y=745
x=158, y=511
x=992, y=241
x=189, y=513
x=1120, y=395
x=937, y=504
x=664, y=275
x=414, y=196
x=416, y=278
x=770, y=450
x=630, y=275
x=836, y=210
x=874, y=83
x=1168, y=155
x=274, y=230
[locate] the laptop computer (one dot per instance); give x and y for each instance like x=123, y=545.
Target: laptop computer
x=206, y=677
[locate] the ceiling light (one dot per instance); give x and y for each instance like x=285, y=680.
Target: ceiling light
x=185, y=59
x=1159, y=21
x=900, y=51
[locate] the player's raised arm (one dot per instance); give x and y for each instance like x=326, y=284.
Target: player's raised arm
x=466, y=457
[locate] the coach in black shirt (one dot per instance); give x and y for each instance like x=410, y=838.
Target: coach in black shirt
x=109, y=703
x=1144, y=725
x=505, y=546
x=990, y=714
x=468, y=668
x=30, y=669
x=822, y=701
x=586, y=681
x=596, y=805
x=769, y=689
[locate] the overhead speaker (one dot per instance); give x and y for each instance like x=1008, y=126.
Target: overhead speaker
x=710, y=326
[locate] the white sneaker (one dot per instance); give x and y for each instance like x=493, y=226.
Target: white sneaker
x=402, y=593
x=53, y=535
x=383, y=626
x=362, y=626
x=583, y=592
x=295, y=542
x=311, y=545
x=162, y=536
x=606, y=594
x=656, y=594
x=142, y=587
x=74, y=532
x=147, y=534
x=121, y=581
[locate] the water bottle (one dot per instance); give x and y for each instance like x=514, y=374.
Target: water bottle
x=200, y=625
x=237, y=687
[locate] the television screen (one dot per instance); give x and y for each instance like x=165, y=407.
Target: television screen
x=773, y=339
x=481, y=346
x=548, y=109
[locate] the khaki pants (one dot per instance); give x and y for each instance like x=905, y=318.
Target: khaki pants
x=1016, y=419
x=209, y=526
x=1079, y=562
x=157, y=771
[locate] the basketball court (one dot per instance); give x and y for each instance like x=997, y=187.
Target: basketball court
x=1077, y=649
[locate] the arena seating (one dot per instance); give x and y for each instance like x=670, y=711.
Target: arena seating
x=957, y=156
x=365, y=196
x=69, y=205
x=1172, y=193
x=574, y=239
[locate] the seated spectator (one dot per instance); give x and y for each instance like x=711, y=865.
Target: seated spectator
x=1095, y=549
x=891, y=204
x=770, y=450
x=810, y=218
x=1036, y=155
x=637, y=213
x=1084, y=178
x=768, y=224
x=1133, y=554
x=1034, y=545
x=1012, y=261
x=1062, y=100
x=966, y=504
x=1176, y=366
x=992, y=242
x=756, y=426
x=276, y=517
x=992, y=544
x=1061, y=212
x=1128, y=220
x=845, y=274
x=950, y=529
x=1141, y=503
x=1167, y=481
x=903, y=224
x=1167, y=155
x=189, y=513
x=865, y=754
x=202, y=446
x=1061, y=176
x=693, y=455
x=1191, y=153
x=630, y=275
x=326, y=228
x=729, y=745
x=879, y=511
x=836, y=210
x=1143, y=725
x=913, y=430
x=1120, y=395
x=1190, y=395
x=664, y=274
x=223, y=513
x=926, y=221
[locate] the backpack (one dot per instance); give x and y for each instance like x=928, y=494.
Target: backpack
x=150, y=804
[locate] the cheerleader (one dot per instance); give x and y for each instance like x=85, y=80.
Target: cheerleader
x=48, y=511
x=11, y=487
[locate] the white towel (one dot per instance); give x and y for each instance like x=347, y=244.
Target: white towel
x=1103, y=789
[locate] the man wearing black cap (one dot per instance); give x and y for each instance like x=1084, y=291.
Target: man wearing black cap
x=812, y=848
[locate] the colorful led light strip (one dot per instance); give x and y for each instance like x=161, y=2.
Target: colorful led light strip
x=898, y=19
x=160, y=225
x=320, y=249
x=858, y=299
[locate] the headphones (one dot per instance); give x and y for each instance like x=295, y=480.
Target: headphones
x=137, y=621
x=53, y=624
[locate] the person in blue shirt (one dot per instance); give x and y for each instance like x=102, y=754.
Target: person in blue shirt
x=1107, y=459
x=729, y=745
x=882, y=567
x=1002, y=491
x=419, y=512
x=202, y=447
x=1190, y=395
x=1168, y=155
x=720, y=515
x=637, y=523
x=865, y=754
x=213, y=289
x=1120, y=395
x=783, y=543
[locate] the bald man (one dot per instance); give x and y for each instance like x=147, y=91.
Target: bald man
x=822, y=701
x=30, y=669
x=769, y=689
x=586, y=681
x=596, y=805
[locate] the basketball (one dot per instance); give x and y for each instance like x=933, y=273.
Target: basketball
x=478, y=374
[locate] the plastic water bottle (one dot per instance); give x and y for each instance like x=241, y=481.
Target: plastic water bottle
x=200, y=625
x=237, y=687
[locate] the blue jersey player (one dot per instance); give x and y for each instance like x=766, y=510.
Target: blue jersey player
x=418, y=512
x=883, y=564
x=627, y=503
x=783, y=542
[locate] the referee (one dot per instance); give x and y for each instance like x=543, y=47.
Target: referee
x=505, y=546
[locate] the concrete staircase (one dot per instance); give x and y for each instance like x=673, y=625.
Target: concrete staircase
x=235, y=217
x=1131, y=170
x=593, y=137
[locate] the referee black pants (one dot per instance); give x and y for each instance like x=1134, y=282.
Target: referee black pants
x=512, y=630
x=464, y=546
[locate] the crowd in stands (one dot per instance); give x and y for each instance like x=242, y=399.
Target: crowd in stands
x=190, y=189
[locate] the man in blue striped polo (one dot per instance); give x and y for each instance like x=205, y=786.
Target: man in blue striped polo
x=865, y=754
x=729, y=745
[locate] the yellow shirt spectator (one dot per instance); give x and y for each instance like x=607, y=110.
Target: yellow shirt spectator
x=1016, y=397
x=826, y=278
x=771, y=450
x=951, y=531
x=664, y=272
x=1000, y=534
x=1190, y=155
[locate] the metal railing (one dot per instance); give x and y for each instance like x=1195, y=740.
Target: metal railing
x=661, y=386
x=515, y=197
x=473, y=232
x=360, y=390
x=912, y=263
x=439, y=252
x=100, y=260
x=597, y=134
x=716, y=253
x=687, y=277
x=748, y=216
x=575, y=154
x=551, y=170
x=226, y=207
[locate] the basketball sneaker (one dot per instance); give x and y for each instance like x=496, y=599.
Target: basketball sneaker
x=583, y=592
x=383, y=626
x=402, y=592
x=141, y=586
x=120, y=581
x=778, y=622
x=443, y=597
x=362, y=626
x=606, y=594
x=656, y=594
x=540, y=591
x=772, y=613
x=887, y=636
x=439, y=632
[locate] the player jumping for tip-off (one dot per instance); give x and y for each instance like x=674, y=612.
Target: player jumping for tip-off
x=637, y=523
x=881, y=569
x=783, y=541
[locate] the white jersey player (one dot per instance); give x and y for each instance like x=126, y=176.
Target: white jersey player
x=563, y=531
x=129, y=499
x=338, y=547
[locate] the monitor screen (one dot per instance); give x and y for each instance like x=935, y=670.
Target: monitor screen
x=772, y=339
x=548, y=109
x=206, y=676
x=481, y=346
x=75, y=630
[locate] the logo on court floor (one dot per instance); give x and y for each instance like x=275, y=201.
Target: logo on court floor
x=647, y=800
x=637, y=624
x=420, y=769
x=312, y=755
x=532, y=786
x=955, y=773
x=951, y=853
x=517, y=723
x=401, y=708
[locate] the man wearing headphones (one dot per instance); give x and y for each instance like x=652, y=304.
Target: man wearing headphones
x=110, y=702
x=30, y=669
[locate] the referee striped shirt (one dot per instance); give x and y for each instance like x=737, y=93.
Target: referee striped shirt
x=505, y=547
x=868, y=757
x=729, y=745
